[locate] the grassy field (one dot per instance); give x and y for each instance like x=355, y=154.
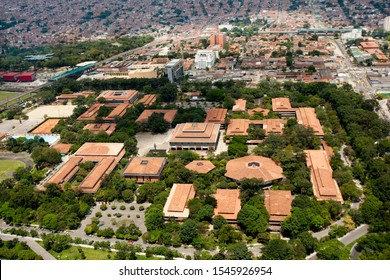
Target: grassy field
x=7, y=94
x=7, y=166
x=386, y=95
x=74, y=253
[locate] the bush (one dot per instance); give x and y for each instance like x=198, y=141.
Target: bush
x=132, y=207
x=98, y=215
x=122, y=207
x=109, y=215
x=141, y=208
x=113, y=207
x=137, y=216
x=103, y=207
x=118, y=215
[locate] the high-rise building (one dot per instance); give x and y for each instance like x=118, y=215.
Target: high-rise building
x=174, y=70
x=218, y=39
x=204, y=59
x=386, y=23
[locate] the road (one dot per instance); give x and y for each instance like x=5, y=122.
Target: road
x=31, y=242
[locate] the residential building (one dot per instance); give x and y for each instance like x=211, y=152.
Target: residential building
x=205, y=59
x=321, y=176
x=174, y=70
x=278, y=205
x=200, y=166
x=254, y=167
x=145, y=169
x=176, y=206
x=218, y=39
x=195, y=136
x=228, y=204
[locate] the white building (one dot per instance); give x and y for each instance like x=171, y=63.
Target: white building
x=204, y=59
x=353, y=35
x=386, y=23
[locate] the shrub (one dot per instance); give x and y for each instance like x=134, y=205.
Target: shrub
x=103, y=207
x=141, y=208
x=137, y=216
x=98, y=215
x=113, y=207
x=122, y=207
x=132, y=207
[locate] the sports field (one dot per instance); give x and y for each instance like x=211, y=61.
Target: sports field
x=7, y=167
x=7, y=94
x=46, y=127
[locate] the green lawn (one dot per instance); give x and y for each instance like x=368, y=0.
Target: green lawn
x=7, y=166
x=7, y=94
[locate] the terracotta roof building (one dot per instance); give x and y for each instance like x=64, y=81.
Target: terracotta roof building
x=72, y=96
x=228, y=204
x=278, y=205
x=321, y=176
x=169, y=115
x=148, y=99
x=95, y=128
x=258, y=111
x=200, y=166
x=282, y=106
x=308, y=117
x=105, y=156
x=63, y=148
x=241, y=127
x=176, y=205
x=119, y=96
x=253, y=167
x=195, y=136
x=143, y=169
x=216, y=115
x=240, y=105
x=118, y=111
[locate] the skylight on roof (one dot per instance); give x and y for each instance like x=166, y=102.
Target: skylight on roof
x=144, y=162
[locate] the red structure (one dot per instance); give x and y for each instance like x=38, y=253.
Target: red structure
x=27, y=77
x=10, y=77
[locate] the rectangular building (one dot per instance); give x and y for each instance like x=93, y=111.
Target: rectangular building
x=205, y=59
x=307, y=117
x=195, y=136
x=174, y=70
x=240, y=105
x=176, y=205
x=228, y=204
x=119, y=96
x=143, y=169
x=278, y=205
x=217, y=115
x=321, y=176
x=282, y=106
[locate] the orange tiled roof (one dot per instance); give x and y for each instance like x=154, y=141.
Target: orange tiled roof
x=278, y=204
x=118, y=95
x=253, y=167
x=148, y=99
x=176, y=204
x=228, y=203
x=169, y=115
x=281, y=104
x=95, y=128
x=308, y=117
x=201, y=166
x=139, y=166
x=195, y=133
x=252, y=112
x=63, y=148
x=321, y=176
x=216, y=115
x=240, y=105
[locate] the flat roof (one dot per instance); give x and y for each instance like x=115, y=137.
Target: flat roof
x=176, y=204
x=118, y=95
x=100, y=149
x=148, y=99
x=228, y=203
x=281, y=104
x=195, y=133
x=91, y=113
x=321, y=176
x=253, y=167
x=240, y=105
x=307, y=117
x=237, y=127
x=91, y=183
x=278, y=204
x=200, y=166
x=169, y=115
x=66, y=171
x=148, y=166
x=216, y=115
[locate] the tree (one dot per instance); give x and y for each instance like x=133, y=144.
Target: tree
x=189, y=231
x=154, y=218
x=370, y=208
x=331, y=250
x=238, y=251
x=168, y=93
x=277, y=249
x=308, y=241
x=50, y=221
x=45, y=156
x=157, y=124
x=253, y=220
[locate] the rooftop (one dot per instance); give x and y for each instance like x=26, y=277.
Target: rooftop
x=228, y=203
x=100, y=149
x=169, y=115
x=216, y=115
x=176, y=205
x=95, y=128
x=139, y=166
x=281, y=104
x=148, y=99
x=321, y=176
x=63, y=148
x=278, y=204
x=308, y=117
x=253, y=167
x=119, y=95
x=240, y=105
x=195, y=133
x=200, y=166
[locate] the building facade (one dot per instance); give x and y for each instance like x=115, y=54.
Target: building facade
x=205, y=59
x=174, y=70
